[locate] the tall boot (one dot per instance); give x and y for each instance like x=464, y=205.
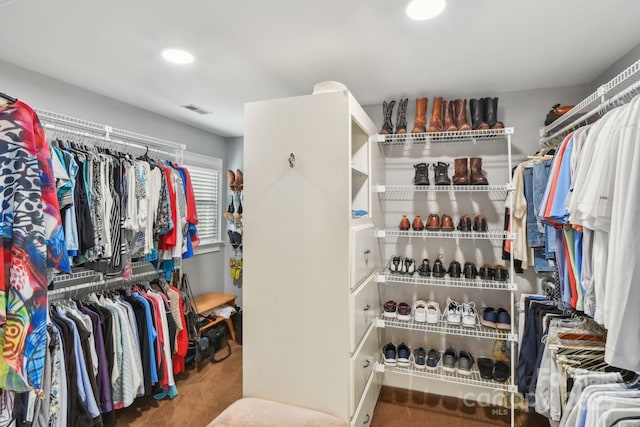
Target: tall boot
x=477, y=114
x=401, y=120
x=477, y=177
x=461, y=175
x=436, y=116
x=491, y=108
x=461, y=114
x=420, y=125
x=449, y=126
x=387, y=110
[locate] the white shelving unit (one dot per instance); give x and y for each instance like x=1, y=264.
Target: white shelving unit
x=309, y=180
x=396, y=238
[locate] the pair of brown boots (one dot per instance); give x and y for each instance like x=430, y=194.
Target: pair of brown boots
x=236, y=180
x=453, y=112
x=465, y=175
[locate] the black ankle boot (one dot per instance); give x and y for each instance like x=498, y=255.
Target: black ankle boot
x=422, y=174
x=387, y=110
x=491, y=109
x=478, y=114
x=441, y=173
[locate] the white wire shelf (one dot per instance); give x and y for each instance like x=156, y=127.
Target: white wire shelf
x=471, y=235
x=471, y=136
x=77, y=275
x=415, y=279
x=442, y=188
x=474, y=379
x=584, y=108
x=444, y=328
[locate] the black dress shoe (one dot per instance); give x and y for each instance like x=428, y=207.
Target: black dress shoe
x=486, y=272
x=455, y=270
x=470, y=271
x=424, y=269
x=438, y=269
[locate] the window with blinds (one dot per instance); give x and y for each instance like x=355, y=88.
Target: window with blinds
x=205, y=182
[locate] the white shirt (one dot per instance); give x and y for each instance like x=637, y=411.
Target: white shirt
x=622, y=297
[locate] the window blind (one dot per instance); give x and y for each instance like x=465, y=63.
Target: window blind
x=205, y=182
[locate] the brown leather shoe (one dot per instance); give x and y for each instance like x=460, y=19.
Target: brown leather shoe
x=433, y=223
x=461, y=175
x=460, y=114
x=420, y=124
x=404, y=223
x=480, y=223
x=435, y=125
x=239, y=180
x=231, y=177
x=446, y=223
x=418, y=225
x=464, y=224
x=477, y=177
x=449, y=126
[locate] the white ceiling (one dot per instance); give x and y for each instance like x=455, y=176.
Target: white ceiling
x=255, y=50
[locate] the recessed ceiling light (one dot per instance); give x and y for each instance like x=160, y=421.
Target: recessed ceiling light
x=421, y=10
x=177, y=56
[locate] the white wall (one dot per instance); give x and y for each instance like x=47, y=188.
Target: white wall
x=631, y=57
x=205, y=271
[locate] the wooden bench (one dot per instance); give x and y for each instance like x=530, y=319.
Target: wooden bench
x=205, y=303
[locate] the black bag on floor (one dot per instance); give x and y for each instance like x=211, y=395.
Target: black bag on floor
x=217, y=337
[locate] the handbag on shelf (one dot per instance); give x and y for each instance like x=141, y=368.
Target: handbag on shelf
x=556, y=112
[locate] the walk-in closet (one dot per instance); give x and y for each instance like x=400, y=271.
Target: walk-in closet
x=261, y=214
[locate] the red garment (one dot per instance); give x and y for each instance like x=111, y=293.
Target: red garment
x=192, y=213
x=161, y=363
x=183, y=341
x=169, y=239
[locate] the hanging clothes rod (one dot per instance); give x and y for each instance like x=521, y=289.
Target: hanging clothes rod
x=598, y=97
x=107, y=131
x=600, y=110
x=97, y=285
x=95, y=137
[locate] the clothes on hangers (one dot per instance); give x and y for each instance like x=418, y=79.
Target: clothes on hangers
x=112, y=348
x=32, y=241
x=591, y=199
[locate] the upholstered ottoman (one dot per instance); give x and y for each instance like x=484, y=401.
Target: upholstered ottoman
x=253, y=412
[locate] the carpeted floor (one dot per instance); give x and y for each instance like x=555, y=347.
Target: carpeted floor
x=204, y=394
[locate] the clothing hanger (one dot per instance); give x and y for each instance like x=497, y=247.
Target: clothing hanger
x=11, y=99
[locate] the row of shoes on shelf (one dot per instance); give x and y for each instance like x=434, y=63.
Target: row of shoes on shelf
x=467, y=171
x=447, y=116
x=407, y=266
x=454, y=313
x=436, y=223
x=452, y=361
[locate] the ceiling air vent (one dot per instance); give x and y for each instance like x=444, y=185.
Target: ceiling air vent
x=196, y=109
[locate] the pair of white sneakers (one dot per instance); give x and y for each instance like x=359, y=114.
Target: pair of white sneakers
x=460, y=314
x=426, y=312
